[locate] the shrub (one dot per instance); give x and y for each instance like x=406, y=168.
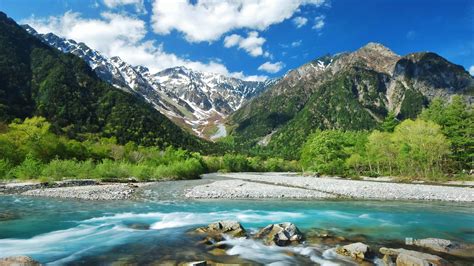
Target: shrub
x=59, y=169
x=5, y=168
x=30, y=168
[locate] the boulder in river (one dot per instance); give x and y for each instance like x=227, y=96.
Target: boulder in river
x=404, y=257
x=18, y=261
x=446, y=246
x=215, y=231
x=282, y=234
x=359, y=250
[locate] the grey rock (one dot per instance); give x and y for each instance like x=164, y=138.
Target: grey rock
x=404, y=257
x=446, y=246
x=359, y=251
x=282, y=234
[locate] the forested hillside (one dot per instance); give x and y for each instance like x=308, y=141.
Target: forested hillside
x=348, y=91
x=37, y=80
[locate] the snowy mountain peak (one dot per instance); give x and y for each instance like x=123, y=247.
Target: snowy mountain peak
x=195, y=100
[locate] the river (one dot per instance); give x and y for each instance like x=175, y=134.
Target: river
x=153, y=229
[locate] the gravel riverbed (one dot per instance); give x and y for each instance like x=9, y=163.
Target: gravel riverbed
x=277, y=185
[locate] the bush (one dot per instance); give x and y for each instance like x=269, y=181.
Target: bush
x=5, y=168
x=59, y=169
x=30, y=168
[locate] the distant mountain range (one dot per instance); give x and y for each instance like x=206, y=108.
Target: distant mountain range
x=50, y=76
x=194, y=100
x=351, y=91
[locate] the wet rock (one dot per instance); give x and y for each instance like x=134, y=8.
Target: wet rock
x=139, y=226
x=282, y=234
x=7, y=216
x=359, y=250
x=215, y=232
x=406, y=257
x=446, y=246
x=318, y=236
x=18, y=261
x=195, y=263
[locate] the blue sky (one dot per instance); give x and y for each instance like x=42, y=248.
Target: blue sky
x=252, y=39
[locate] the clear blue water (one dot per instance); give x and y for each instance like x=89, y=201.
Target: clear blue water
x=82, y=232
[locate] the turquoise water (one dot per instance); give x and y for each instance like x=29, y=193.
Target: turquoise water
x=82, y=232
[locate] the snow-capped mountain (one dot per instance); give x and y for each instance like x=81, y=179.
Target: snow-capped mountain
x=195, y=100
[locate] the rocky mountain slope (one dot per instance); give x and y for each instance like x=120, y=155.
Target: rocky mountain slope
x=38, y=80
x=348, y=91
x=195, y=100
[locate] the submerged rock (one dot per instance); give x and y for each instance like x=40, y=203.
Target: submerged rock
x=359, y=250
x=18, y=261
x=446, y=246
x=404, y=257
x=7, y=216
x=282, y=234
x=139, y=226
x=319, y=236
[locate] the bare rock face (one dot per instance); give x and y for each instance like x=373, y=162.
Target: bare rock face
x=282, y=234
x=404, y=257
x=446, y=246
x=358, y=251
x=18, y=261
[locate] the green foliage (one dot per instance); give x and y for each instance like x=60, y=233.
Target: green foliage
x=389, y=123
x=30, y=168
x=415, y=149
x=326, y=152
x=457, y=124
x=59, y=169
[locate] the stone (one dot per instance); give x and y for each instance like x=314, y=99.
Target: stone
x=231, y=228
x=446, y=246
x=359, y=250
x=139, y=226
x=18, y=261
x=195, y=263
x=415, y=258
x=282, y=234
x=406, y=257
x=8, y=215
x=215, y=232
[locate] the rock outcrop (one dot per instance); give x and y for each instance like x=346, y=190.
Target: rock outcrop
x=282, y=234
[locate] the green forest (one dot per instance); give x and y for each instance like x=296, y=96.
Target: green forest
x=438, y=145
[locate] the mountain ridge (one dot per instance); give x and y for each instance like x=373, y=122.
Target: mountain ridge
x=38, y=80
x=194, y=100
x=351, y=90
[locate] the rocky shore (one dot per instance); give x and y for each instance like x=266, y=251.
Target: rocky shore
x=75, y=189
x=280, y=185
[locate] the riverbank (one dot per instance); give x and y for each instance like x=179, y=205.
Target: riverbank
x=283, y=185
x=247, y=186
x=74, y=189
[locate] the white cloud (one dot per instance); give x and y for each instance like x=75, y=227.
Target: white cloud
x=471, y=70
x=139, y=5
x=271, y=67
x=300, y=21
x=252, y=44
x=319, y=22
x=208, y=20
x=296, y=43
x=120, y=35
